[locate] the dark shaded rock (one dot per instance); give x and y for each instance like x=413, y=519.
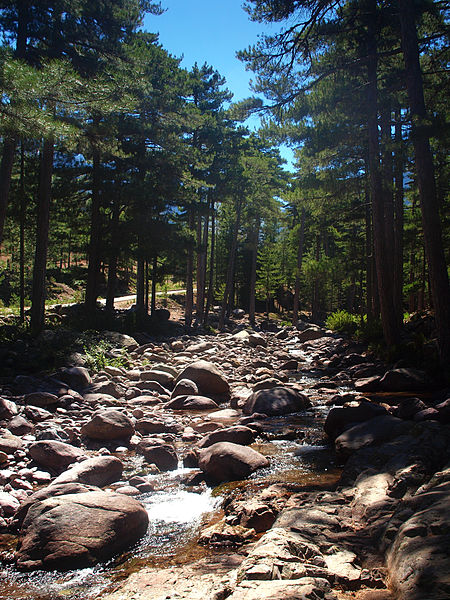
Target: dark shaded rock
x=225, y=461
x=408, y=407
x=160, y=454
x=341, y=418
x=8, y=409
x=403, y=380
x=76, y=378
x=185, y=387
x=41, y=399
x=276, y=401
x=368, y=384
x=20, y=426
x=146, y=426
x=78, y=530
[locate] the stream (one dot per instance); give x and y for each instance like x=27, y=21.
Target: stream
x=178, y=511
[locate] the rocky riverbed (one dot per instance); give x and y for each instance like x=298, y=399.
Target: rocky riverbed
x=85, y=458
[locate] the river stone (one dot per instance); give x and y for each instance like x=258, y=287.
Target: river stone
x=341, y=418
x=371, y=432
x=156, y=425
x=191, y=403
x=165, y=379
x=10, y=444
x=237, y=435
x=108, y=425
x=41, y=399
x=55, y=455
x=210, y=381
x=8, y=504
x=8, y=409
x=403, y=380
x=79, y=530
x=160, y=454
x=185, y=387
x=276, y=401
x=98, y=471
x=312, y=333
x=50, y=491
x=76, y=378
x=225, y=461
x=20, y=426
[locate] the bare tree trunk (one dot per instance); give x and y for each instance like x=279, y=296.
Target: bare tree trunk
x=252, y=291
x=113, y=257
x=140, y=285
x=40, y=259
x=300, y=249
x=22, y=233
x=154, y=275
x=95, y=238
x=431, y=222
x=398, y=214
x=189, y=283
x=231, y=262
x=211, y=263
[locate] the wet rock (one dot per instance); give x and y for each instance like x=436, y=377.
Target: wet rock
x=108, y=425
x=79, y=530
x=160, y=454
x=408, y=407
x=276, y=401
x=290, y=365
x=155, y=425
x=210, y=381
x=238, y=434
x=403, y=380
x=225, y=461
x=55, y=455
x=368, y=384
x=341, y=418
x=99, y=471
x=191, y=403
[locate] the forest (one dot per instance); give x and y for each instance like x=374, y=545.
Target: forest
x=123, y=173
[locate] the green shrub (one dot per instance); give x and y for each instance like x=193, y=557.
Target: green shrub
x=98, y=356
x=342, y=321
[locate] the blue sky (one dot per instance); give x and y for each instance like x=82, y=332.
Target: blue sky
x=210, y=31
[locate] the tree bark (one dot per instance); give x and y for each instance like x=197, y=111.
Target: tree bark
x=189, y=283
x=398, y=213
x=95, y=238
x=252, y=291
x=300, y=248
x=22, y=233
x=154, y=275
x=210, y=296
x=431, y=223
x=231, y=262
x=40, y=258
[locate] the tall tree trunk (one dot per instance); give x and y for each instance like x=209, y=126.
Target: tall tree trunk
x=212, y=250
x=315, y=303
x=140, y=285
x=431, y=223
x=398, y=213
x=202, y=248
x=22, y=233
x=189, y=283
x=113, y=257
x=300, y=249
x=384, y=272
x=252, y=291
x=230, y=269
x=95, y=238
x=40, y=258
x=154, y=276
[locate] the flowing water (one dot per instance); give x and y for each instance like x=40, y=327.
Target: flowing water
x=177, y=511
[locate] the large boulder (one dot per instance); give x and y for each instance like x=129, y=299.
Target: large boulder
x=158, y=453
x=191, y=403
x=225, y=461
x=79, y=530
x=108, y=425
x=8, y=409
x=76, y=378
x=238, y=434
x=276, y=401
x=54, y=455
x=99, y=471
x=162, y=377
x=210, y=381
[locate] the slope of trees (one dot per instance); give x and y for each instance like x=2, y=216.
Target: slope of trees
x=118, y=161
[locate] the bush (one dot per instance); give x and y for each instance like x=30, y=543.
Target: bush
x=343, y=322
